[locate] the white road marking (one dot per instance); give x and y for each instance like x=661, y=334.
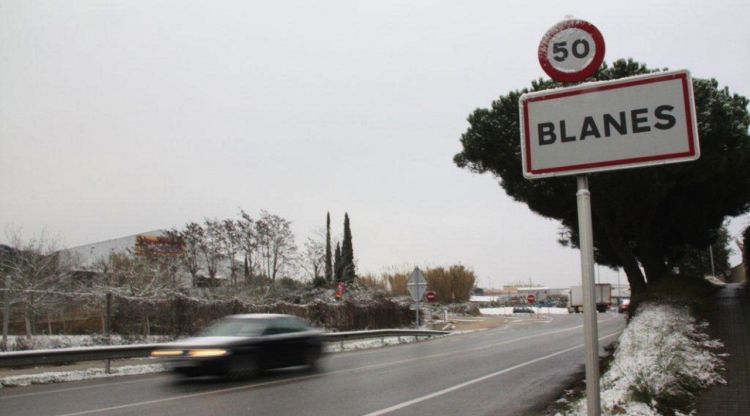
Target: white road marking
x=350, y=370
x=67, y=389
x=342, y=353
x=474, y=381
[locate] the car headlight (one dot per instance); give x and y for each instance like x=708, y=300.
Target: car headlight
x=165, y=353
x=207, y=353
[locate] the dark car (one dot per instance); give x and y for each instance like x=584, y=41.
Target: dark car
x=240, y=346
x=522, y=309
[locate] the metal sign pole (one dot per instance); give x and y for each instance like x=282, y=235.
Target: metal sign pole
x=416, y=285
x=591, y=343
x=417, y=312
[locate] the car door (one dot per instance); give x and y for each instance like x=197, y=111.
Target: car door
x=273, y=352
x=298, y=340
x=286, y=337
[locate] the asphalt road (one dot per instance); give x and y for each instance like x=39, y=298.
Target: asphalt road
x=515, y=370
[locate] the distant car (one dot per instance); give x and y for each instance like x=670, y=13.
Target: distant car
x=522, y=309
x=240, y=346
x=623, y=307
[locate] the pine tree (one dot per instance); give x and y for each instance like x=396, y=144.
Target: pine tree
x=347, y=253
x=639, y=215
x=329, y=266
x=337, y=263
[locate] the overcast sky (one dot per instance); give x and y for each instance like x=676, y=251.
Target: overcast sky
x=118, y=117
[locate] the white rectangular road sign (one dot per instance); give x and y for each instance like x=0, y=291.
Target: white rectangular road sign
x=626, y=123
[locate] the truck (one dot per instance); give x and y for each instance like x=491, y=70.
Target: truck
x=602, y=296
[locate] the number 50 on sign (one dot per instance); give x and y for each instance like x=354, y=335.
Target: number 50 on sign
x=571, y=51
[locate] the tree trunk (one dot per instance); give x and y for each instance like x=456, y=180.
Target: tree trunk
x=146, y=327
x=6, y=312
x=32, y=315
x=624, y=253
x=6, y=321
x=246, y=270
x=653, y=264
x=27, y=321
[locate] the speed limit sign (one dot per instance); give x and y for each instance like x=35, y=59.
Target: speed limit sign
x=571, y=51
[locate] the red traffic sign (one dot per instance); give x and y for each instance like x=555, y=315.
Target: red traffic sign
x=340, y=288
x=531, y=298
x=625, y=123
x=430, y=296
x=571, y=51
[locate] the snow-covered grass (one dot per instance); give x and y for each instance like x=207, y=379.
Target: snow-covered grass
x=363, y=344
x=78, y=375
x=46, y=342
x=509, y=311
x=663, y=358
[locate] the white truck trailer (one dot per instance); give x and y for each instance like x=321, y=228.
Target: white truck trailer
x=602, y=296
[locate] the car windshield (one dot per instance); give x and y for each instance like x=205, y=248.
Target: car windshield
x=234, y=328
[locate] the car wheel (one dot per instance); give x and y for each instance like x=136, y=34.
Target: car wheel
x=243, y=367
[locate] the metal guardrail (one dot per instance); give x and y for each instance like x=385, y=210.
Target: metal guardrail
x=114, y=352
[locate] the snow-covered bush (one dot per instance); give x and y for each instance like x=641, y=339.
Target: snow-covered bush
x=663, y=358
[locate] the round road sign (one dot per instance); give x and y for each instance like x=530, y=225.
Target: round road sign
x=531, y=298
x=571, y=51
x=430, y=295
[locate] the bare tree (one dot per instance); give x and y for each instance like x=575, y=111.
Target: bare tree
x=32, y=270
x=140, y=276
x=276, y=245
x=248, y=244
x=231, y=245
x=314, y=259
x=191, y=237
x=7, y=255
x=211, y=247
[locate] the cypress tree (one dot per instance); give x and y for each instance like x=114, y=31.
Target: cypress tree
x=329, y=266
x=347, y=253
x=337, y=263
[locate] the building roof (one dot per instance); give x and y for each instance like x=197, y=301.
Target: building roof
x=88, y=254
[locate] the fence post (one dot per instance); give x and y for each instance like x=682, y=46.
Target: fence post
x=107, y=326
x=107, y=315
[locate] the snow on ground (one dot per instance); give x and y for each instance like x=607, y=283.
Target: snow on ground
x=78, y=375
x=663, y=355
x=364, y=344
x=509, y=311
x=47, y=342
x=93, y=373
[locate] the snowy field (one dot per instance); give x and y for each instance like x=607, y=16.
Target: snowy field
x=509, y=311
x=662, y=356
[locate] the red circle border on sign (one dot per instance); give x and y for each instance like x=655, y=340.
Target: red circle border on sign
x=586, y=72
